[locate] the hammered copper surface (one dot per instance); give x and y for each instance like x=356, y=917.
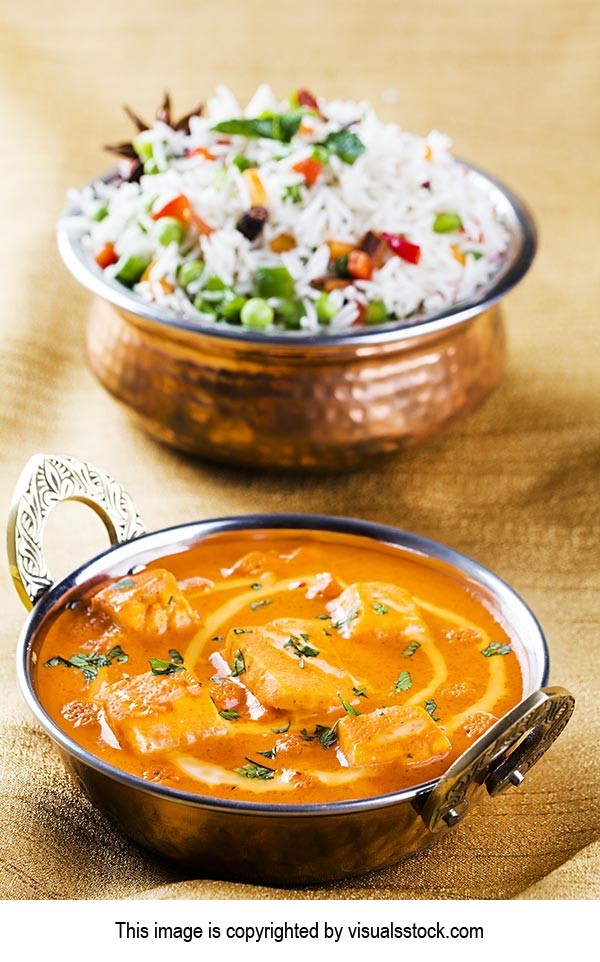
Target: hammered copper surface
x=275, y=849
x=273, y=406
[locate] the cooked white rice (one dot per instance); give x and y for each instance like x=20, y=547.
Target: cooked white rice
x=398, y=184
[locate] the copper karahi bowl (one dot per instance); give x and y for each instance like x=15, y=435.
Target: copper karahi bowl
x=257, y=841
x=304, y=402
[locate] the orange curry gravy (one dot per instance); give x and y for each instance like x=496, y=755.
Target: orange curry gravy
x=288, y=669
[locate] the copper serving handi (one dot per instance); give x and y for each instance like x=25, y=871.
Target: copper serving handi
x=258, y=841
x=291, y=400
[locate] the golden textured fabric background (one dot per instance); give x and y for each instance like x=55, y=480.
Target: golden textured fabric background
x=517, y=84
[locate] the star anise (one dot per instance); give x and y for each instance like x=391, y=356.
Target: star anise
x=129, y=165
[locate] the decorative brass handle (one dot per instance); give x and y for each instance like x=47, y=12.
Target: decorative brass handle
x=47, y=480
x=501, y=757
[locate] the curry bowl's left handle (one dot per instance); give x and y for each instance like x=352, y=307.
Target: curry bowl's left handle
x=47, y=480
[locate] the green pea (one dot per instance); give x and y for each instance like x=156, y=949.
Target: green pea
x=376, y=313
x=214, y=290
x=130, y=268
x=289, y=312
x=325, y=309
x=445, y=223
x=169, y=230
x=320, y=153
x=242, y=163
x=257, y=313
x=274, y=282
x=189, y=272
x=215, y=283
x=204, y=306
x=231, y=308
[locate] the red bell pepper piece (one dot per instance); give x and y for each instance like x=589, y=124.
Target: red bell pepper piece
x=360, y=265
x=106, y=256
x=310, y=170
x=181, y=209
x=411, y=253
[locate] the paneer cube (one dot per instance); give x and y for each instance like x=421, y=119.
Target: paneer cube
x=406, y=735
x=159, y=713
x=371, y=610
x=150, y=601
x=290, y=664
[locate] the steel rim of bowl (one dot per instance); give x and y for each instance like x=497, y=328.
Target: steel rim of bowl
x=166, y=537
x=510, y=207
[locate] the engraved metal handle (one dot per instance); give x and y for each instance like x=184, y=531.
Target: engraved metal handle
x=501, y=757
x=47, y=480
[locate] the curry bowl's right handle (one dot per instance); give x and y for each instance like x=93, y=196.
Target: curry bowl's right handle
x=47, y=480
x=501, y=757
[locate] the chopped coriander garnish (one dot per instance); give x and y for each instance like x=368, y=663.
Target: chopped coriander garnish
x=324, y=617
x=346, y=619
x=282, y=731
x=409, y=652
x=361, y=692
x=348, y=708
x=217, y=638
x=324, y=735
x=495, y=648
x=345, y=144
x=430, y=707
x=379, y=609
x=175, y=656
x=301, y=648
x=117, y=654
x=255, y=770
x=255, y=605
x=89, y=664
x=243, y=631
x=160, y=667
x=476, y=255
x=229, y=714
x=256, y=586
x=403, y=682
x=238, y=665
x=270, y=753
x=327, y=736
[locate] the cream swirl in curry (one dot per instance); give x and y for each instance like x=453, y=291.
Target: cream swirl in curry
x=280, y=670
